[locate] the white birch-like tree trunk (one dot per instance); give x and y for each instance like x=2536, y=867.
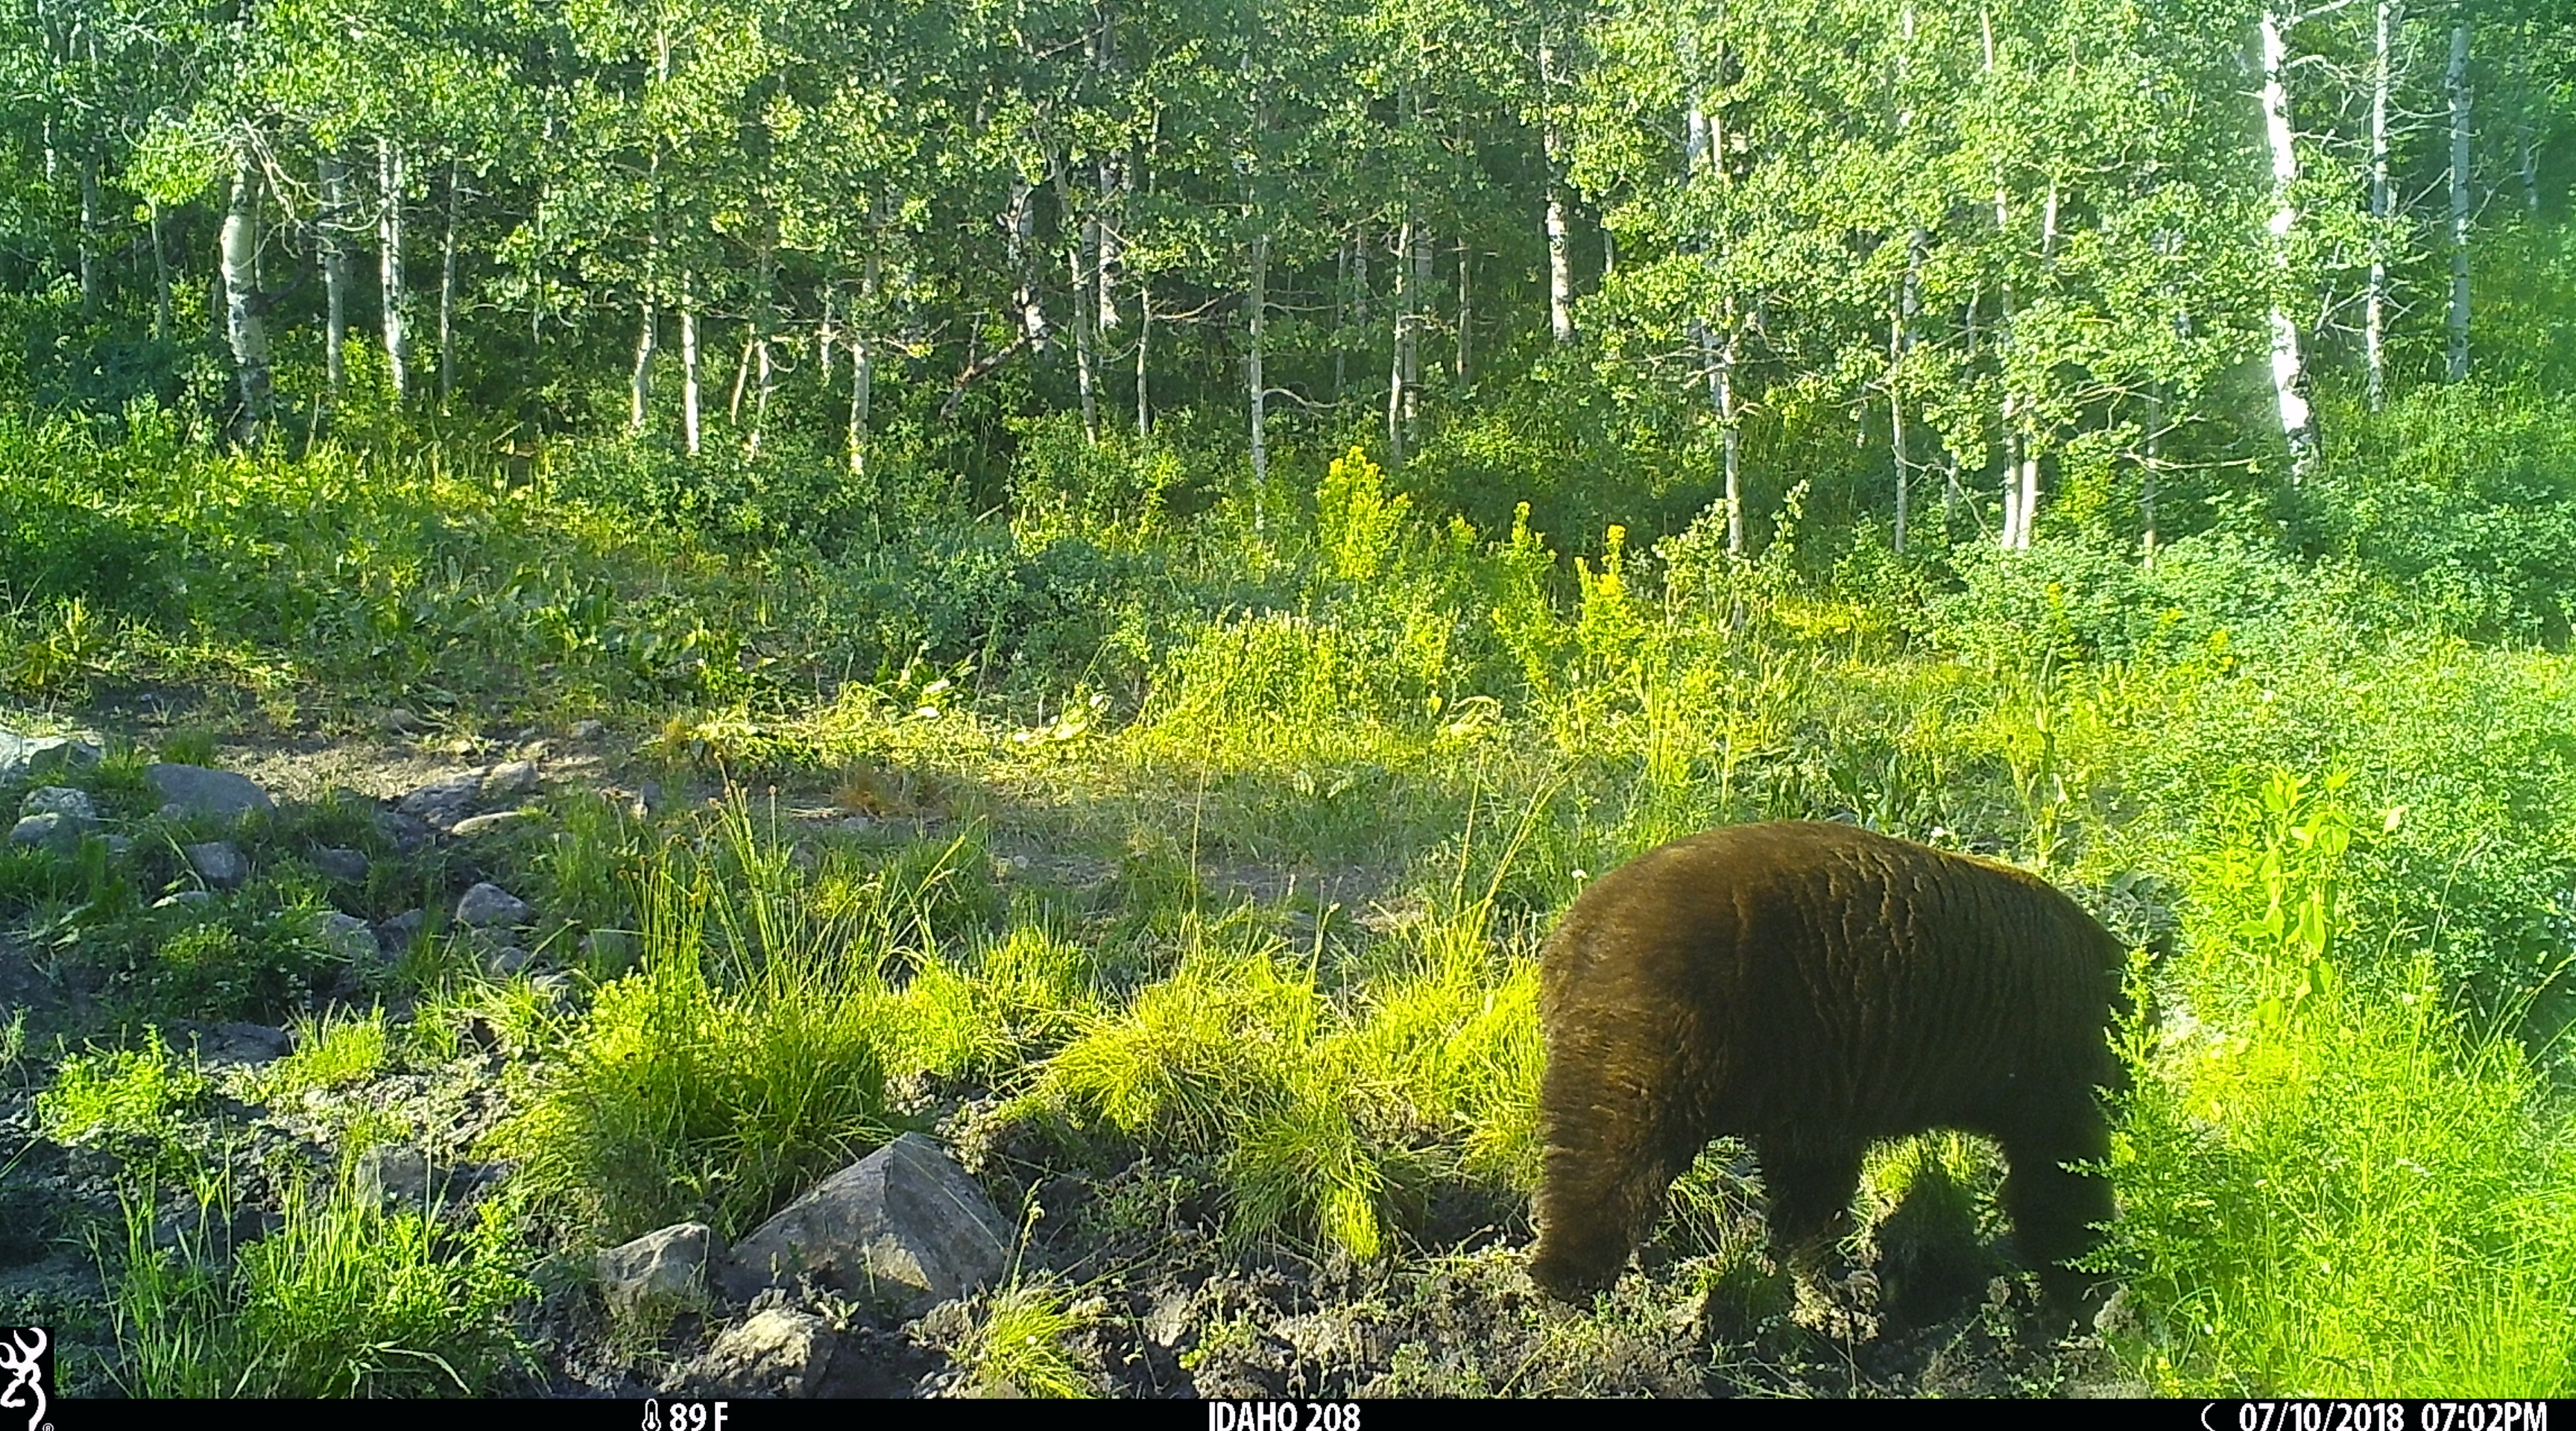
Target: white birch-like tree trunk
x=689, y=361
x=160, y=275
x=863, y=362
x=332, y=230
x=2456, y=82
x=1256, y=303
x=1144, y=344
x=447, y=287
x=1399, y=361
x=243, y=327
x=2289, y=370
x=2374, y=316
x=389, y=270
x=1466, y=311
x=1560, y=240
x=89, y=224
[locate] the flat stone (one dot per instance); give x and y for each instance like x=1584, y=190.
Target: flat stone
x=346, y=935
x=396, y=935
x=195, y=790
x=400, y=720
x=244, y=1043
x=59, y=800
x=774, y=1352
x=184, y=899
x=588, y=730
x=219, y=863
x=665, y=1265
x=444, y=801
x=59, y=833
x=488, y=904
x=344, y=865
x=24, y=755
x=509, y=780
x=394, y=1172
x=904, y=1223
x=473, y=825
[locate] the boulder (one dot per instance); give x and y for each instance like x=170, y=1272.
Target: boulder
x=667, y=1265
x=59, y=833
x=396, y=1172
x=343, y=865
x=22, y=756
x=59, y=800
x=220, y=863
x=588, y=730
x=487, y=905
x=444, y=801
x=347, y=936
x=243, y=1043
x=903, y=1223
x=195, y=790
x=396, y=935
x=509, y=780
x=774, y=1352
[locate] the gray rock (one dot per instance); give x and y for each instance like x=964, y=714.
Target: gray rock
x=346, y=935
x=401, y=721
x=609, y=951
x=394, y=1172
x=59, y=833
x=25, y=755
x=184, y=899
x=344, y=865
x=243, y=1043
x=509, y=780
x=406, y=832
x=1169, y=1321
x=59, y=800
x=648, y=799
x=771, y=1353
x=473, y=825
x=487, y=904
x=219, y=863
x=507, y=960
x=396, y=935
x=444, y=801
x=904, y=1222
x=668, y=1265
x=588, y=730
x=118, y=846
x=195, y=790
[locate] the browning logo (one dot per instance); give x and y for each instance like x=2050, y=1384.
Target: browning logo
x=26, y=1369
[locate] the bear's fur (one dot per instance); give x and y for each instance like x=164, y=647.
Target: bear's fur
x=1813, y=988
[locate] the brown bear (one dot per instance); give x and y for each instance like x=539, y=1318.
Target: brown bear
x=1813, y=988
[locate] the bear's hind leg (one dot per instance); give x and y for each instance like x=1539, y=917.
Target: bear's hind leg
x=1811, y=1186
x=2055, y=1212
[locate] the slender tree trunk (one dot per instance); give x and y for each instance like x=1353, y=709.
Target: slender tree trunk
x=640, y=385
x=447, y=288
x=863, y=363
x=333, y=228
x=1421, y=311
x=1144, y=342
x=1020, y=239
x=2457, y=83
x=1560, y=246
x=2374, y=322
x=689, y=360
x=2147, y=474
x=1702, y=156
x=389, y=240
x=1398, y=361
x=2289, y=370
x=160, y=277
x=1466, y=310
x=1080, y=258
x=1256, y=302
x=1730, y=435
x=89, y=225
x=1341, y=302
x=248, y=334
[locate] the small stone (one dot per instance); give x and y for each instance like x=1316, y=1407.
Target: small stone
x=346, y=935
x=526, y=733
x=245, y=1043
x=400, y=720
x=59, y=800
x=488, y=904
x=509, y=780
x=23, y=755
x=648, y=799
x=395, y=936
x=444, y=801
x=405, y=833
x=858, y=824
x=588, y=730
x=904, y=1222
x=344, y=865
x=1169, y=1321
x=195, y=790
x=507, y=960
x=118, y=846
x=772, y=1353
x=393, y=1172
x=533, y=751
x=184, y=899
x=473, y=825
x=667, y=1265
x=219, y=863
x=58, y=833
x=462, y=745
